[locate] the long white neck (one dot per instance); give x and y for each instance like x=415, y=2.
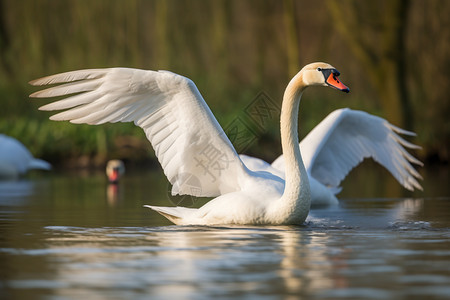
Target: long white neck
x=294, y=205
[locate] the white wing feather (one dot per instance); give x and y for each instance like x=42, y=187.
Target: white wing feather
x=187, y=138
x=345, y=137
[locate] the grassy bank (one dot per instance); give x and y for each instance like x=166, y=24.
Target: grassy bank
x=65, y=144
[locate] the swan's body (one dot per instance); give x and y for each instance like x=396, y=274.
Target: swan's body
x=338, y=144
x=189, y=142
x=16, y=160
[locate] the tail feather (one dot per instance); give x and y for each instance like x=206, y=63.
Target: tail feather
x=173, y=214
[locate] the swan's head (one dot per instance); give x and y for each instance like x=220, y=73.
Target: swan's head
x=114, y=170
x=322, y=74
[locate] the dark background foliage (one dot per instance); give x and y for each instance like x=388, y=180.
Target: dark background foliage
x=392, y=53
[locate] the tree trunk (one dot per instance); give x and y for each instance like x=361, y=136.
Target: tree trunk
x=291, y=37
x=384, y=61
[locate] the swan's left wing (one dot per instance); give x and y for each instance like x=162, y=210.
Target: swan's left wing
x=196, y=156
x=345, y=137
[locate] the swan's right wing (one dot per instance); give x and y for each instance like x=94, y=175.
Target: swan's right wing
x=345, y=137
x=196, y=155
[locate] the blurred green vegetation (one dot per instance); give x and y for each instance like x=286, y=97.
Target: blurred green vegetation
x=392, y=54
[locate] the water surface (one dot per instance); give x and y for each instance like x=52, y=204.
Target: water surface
x=67, y=236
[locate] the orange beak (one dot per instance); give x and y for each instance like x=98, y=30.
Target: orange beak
x=333, y=81
x=114, y=177
x=331, y=78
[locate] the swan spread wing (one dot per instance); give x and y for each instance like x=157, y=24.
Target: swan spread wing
x=197, y=157
x=345, y=137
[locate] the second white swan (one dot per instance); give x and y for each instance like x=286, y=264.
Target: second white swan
x=16, y=159
x=190, y=144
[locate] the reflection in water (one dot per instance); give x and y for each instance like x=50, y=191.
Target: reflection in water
x=407, y=208
x=194, y=259
x=112, y=193
x=191, y=261
x=15, y=189
x=309, y=261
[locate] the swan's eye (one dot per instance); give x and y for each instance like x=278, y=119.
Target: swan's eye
x=319, y=69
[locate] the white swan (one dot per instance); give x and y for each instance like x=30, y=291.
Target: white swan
x=338, y=144
x=115, y=168
x=197, y=157
x=16, y=160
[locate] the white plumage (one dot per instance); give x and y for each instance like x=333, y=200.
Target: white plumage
x=342, y=141
x=189, y=141
x=167, y=106
x=16, y=160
